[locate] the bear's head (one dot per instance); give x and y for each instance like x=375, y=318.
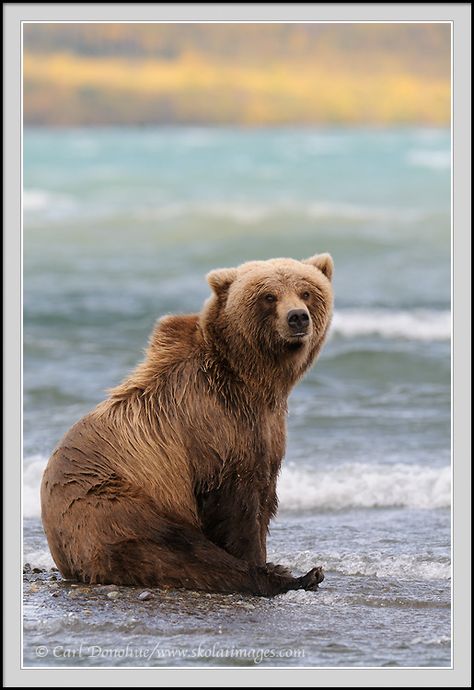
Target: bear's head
x=275, y=312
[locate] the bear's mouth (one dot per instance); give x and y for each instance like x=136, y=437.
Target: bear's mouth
x=295, y=341
x=297, y=338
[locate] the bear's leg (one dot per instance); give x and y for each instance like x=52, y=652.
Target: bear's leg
x=234, y=518
x=121, y=538
x=237, y=521
x=182, y=557
x=279, y=569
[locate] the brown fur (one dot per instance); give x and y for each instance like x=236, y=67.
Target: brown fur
x=171, y=481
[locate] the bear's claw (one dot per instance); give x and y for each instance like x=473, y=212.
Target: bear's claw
x=312, y=579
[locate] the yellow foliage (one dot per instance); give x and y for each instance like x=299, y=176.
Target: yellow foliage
x=62, y=88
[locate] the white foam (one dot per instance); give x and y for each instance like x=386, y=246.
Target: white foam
x=32, y=475
x=374, y=564
x=360, y=485
x=435, y=160
x=40, y=200
x=416, y=324
x=443, y=640
x=35, y=199
x=38, y=558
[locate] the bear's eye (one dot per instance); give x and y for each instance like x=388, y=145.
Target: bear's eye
x=305, y=295
x=270, y=298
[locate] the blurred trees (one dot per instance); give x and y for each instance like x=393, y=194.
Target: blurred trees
x=236, y=73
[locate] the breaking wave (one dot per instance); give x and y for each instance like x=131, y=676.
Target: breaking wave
x=360, y=485
x=374, y=564
x=434, y=160
x=348, y=486
x=417, y=324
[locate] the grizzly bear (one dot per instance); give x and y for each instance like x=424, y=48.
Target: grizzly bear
x=171, y=481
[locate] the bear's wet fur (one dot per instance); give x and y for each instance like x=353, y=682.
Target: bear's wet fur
x=171, y=481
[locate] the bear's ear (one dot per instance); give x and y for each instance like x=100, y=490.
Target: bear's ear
x=322, y=261
x=221, y=279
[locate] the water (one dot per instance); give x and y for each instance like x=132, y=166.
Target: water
x=120, y=226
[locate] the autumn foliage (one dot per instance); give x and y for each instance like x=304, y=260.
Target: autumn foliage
x=250, y=74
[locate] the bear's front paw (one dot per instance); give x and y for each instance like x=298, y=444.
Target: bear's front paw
x=312, y=580
x=277, y=569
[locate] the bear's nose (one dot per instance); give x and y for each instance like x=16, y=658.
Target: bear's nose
x=298, y=320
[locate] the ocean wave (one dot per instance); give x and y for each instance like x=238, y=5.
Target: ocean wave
x=355, y=485
x=35, y=199
x=252, y=212
x=46, y=202
x=417, y=324
x=54, y=205
x=374, y=564
x=434, y=160
x=32, y=475
x=444, y=640
x=38, y=558
x=361, y=485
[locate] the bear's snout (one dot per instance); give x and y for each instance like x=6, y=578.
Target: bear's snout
x=298, y=321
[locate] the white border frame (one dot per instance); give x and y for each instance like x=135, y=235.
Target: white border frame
x=16, y=14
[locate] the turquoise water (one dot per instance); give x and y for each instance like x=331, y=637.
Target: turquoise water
x=120, y=227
